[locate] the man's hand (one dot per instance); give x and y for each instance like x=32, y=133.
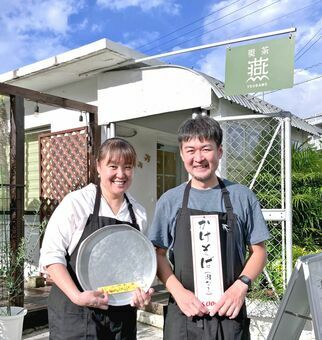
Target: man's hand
x=141, y=298
x=92, y=298
x=231, y=301
x=233, y=298
x=189, y=304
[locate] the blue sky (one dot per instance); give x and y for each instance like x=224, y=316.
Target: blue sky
x=33, y=30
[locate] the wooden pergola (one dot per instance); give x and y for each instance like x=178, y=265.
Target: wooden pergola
x=17, y=139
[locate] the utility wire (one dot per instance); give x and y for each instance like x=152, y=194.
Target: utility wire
x=308, y=67
x=296, y=71
x=267, y=22
x=187, y=25
x=308, y=48
x=218, y=27
x=201, y=27
x=270, y=21
x=243, y=32
x=296, y=84
x=308, y=41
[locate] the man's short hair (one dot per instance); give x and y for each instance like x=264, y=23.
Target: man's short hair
x=202, y=127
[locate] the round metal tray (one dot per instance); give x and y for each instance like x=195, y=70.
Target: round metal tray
x=114, y=255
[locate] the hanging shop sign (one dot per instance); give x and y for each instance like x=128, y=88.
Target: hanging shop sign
x=260, y=67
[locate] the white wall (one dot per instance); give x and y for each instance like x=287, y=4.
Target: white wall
x=144, y=184
x=129, y=94
x=226, y=108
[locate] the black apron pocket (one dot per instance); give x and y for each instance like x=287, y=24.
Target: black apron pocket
x=67, y=322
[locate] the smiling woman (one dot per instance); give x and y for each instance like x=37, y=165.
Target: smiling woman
x=79, y=215
x=115, y=166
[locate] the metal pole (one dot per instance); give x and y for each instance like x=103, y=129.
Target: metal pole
x=282, y=150
x=221, y=43
x=288, y=196
x=265, y=156
x=131, y=61
x=242, y=117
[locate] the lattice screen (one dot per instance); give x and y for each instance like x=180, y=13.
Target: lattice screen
x=64, y=166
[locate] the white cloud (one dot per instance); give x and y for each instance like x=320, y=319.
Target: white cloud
x=134, y=41
x=96, y=28
x=213, y=63
x=41, y=16
x=236, y=19
x=308, y=44
x=34, y=29
x=303, y=99
x=19, y=51
x=83, y=24
x=145, y=5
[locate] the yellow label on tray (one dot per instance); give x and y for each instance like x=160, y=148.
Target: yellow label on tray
x=120, y=288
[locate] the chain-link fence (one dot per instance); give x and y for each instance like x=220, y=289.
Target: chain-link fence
x=253, y=156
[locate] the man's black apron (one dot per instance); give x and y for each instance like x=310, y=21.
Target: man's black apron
x=68, y=321
x=177, y=325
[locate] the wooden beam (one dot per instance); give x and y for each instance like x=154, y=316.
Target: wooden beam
x=47, y=99
x=17, y=179
x=95, y=140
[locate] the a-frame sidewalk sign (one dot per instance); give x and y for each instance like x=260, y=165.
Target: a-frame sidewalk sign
x=301, y=302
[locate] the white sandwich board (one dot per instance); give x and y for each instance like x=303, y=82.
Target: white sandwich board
x=301, y=302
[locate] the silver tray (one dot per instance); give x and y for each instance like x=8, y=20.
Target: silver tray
x=114, y=255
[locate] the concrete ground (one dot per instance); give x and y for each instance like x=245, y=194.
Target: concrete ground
x=145, y=332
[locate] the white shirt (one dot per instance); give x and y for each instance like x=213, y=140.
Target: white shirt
x=68, y=221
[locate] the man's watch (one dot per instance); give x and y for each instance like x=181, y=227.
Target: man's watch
x=245, y=279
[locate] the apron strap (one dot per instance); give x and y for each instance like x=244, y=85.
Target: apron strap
x=93, y=225
x=230, y=244
x=186, y=196
x=130, y=207
x=94, y=221
x=227, y=202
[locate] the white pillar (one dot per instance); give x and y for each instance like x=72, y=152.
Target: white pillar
x=110, y=130
x=288, y=196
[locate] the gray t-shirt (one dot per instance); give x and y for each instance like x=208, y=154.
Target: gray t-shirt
x=250, y=221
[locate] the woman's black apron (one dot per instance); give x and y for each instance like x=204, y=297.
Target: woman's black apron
x=177, y=325
x=68, y=321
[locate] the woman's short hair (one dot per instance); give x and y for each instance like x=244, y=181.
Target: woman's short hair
x=117, y=149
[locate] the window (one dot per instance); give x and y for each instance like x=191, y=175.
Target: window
x=32, y=170
x=169, y=168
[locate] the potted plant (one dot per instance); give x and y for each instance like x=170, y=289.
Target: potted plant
x=14, y=267
x=11, y=317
